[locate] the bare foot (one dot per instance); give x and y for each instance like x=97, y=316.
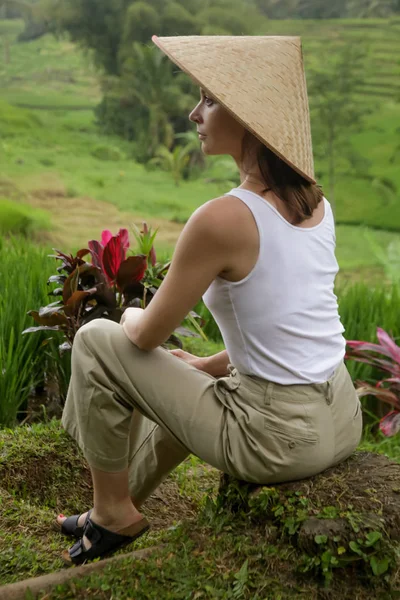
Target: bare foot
x=60, y=519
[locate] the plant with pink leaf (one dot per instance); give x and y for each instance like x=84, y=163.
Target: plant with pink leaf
x=387, y=390
x=104, y=287
x=110, y=253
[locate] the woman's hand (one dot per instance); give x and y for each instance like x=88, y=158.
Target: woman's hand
x=195, y=361
x=130, y=320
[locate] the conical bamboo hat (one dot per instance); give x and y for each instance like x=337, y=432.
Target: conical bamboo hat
x=260, y=80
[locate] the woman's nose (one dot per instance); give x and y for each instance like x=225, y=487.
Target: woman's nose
x=195, y=116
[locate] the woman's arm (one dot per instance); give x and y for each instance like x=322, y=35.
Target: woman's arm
x=206, y=246
x=217, y=364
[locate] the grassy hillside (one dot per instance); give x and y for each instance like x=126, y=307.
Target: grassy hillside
x=46, y=73
x=381, y=37
x=357, y=200
x=49, y=140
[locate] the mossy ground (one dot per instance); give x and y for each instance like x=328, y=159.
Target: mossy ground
x=207, y=547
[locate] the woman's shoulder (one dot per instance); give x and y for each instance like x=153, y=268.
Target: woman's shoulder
x=229, y=220
x=227, y=209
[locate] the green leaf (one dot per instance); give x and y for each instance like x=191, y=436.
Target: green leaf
x=321, y=539
x=241, y=575
x=373, y=537
x=330, y=512
x=356, y=548
x=194, y=324
x=379, y=565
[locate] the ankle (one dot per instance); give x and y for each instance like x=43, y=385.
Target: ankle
x=112, y=512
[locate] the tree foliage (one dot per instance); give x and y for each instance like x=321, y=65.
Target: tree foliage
x=336, y=112
x=109, y=28
x=97, y=25
x=147, y=100
x=321, y=9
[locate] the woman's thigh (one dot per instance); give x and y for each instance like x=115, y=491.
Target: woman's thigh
x=117, y=377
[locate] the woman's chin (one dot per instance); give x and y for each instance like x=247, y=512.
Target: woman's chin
x=206, y=148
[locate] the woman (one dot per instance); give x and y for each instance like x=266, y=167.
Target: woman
x=278, y=404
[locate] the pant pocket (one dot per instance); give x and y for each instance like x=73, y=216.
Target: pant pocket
x=292, y=419
x=290, y=456
x=292, y=436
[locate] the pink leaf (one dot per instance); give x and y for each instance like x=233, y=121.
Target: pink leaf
x=385, y=365
x=106, y=237
x=362, y=346
x=383, y=394
x=96, y=251
x=390, y=424
x=388, y=343
x=113, y=256
x=124, y=236
x=390, y=380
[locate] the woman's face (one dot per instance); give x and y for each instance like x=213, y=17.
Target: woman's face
x=219, y=132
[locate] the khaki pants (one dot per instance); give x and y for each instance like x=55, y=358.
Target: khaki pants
x=149, y=410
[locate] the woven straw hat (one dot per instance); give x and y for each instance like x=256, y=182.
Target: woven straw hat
x=260, y=80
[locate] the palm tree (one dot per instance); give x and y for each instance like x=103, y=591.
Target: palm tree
x=173, y=161
x=148, y=79
x=193, y=146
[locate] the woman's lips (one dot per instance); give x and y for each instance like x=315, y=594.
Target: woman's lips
x=201, y=136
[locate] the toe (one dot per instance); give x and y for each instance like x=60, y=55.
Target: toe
x=60, y=519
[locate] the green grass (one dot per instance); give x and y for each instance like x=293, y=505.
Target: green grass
x=68, y=140
x=47, y=139
x=126, y=184
x=24, y=270
x=21, y=219
x=47, y=72
x=202, y=553
x=59, y=85
x=354, y=249
x=48, y=150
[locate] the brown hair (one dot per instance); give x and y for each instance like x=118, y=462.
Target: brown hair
x=300, y=196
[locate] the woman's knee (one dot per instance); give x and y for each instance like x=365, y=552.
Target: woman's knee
x=97, y=331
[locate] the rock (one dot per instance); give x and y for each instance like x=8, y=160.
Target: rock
x=366, y=483
x=349, y=515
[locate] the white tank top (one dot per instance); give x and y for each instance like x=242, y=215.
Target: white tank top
x=281, y=321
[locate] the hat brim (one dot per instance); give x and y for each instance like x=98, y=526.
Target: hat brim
x=201, y=83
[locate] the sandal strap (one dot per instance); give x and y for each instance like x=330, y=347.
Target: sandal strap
x=70, y=525
x=103, y=541
x=77, y=549
x=95, y=533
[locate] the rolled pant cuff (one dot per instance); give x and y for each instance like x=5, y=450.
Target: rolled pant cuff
x=108, y=465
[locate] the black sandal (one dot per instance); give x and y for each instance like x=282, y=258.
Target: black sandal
x=70, y=525
x=104, y=542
